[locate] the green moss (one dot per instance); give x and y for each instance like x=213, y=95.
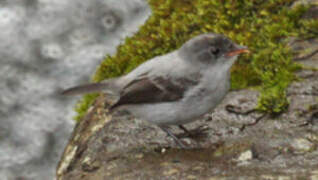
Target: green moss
x=84, y=104
x=261, y=25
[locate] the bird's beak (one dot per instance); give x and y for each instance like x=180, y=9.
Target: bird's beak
x=238, y=50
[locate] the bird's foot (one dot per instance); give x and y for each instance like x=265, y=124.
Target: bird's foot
x=198, y=132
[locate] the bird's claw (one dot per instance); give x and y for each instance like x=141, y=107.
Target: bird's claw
x=200, y=131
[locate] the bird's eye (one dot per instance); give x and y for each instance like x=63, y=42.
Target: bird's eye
x=231, y=46
x=214, y=51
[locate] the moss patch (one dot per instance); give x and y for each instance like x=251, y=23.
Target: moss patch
x=262, y=25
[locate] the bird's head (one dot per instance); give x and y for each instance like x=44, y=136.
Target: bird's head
x=211, y=49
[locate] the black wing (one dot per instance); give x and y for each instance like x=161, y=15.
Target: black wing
x=156, y=90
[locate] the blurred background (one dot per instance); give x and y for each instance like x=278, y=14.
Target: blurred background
x=45, y=46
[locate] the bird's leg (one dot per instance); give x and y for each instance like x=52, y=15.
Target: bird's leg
x=185, y=129
x=178, y=141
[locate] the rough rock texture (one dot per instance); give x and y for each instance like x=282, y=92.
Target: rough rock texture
x=46, y=45
x=119, y=146
x=238, y=143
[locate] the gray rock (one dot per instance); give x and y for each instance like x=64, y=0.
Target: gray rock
x=301, y=145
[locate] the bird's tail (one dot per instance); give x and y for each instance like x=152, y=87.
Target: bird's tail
x=108, y=87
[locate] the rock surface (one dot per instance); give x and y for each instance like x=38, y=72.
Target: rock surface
x=239, y=143
x=118, y=146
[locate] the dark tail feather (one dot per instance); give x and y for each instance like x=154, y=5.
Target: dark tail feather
x=84, y=89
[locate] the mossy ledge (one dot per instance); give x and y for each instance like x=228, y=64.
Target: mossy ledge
x=262, y=25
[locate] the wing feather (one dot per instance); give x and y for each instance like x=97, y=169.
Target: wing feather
x=154, y=90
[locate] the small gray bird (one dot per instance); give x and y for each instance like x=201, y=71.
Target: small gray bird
x=175, y=88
